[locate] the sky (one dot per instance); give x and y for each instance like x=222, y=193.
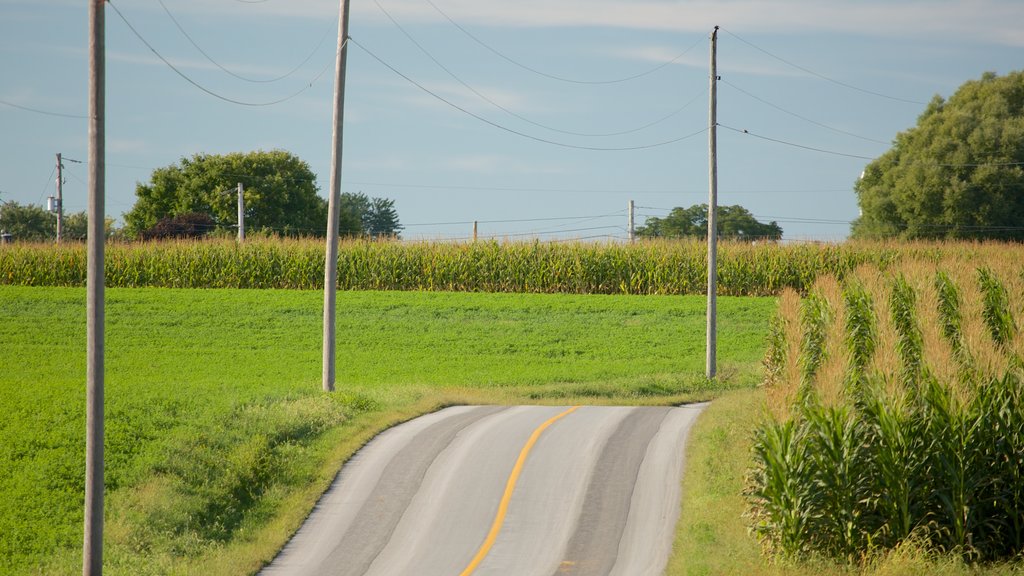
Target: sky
x=534, y=118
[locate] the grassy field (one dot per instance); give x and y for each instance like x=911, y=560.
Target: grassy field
x=219, y=439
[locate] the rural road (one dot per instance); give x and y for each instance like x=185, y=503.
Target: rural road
x=521, y=491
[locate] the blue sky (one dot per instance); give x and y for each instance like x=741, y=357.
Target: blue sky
x=820, y=86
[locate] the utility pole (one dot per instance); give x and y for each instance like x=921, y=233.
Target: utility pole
x=632, y=222
x=92, y=545
x=712, y=331
x=241, y=213
x=474, y=230
x=60, y=199
x=334, y=203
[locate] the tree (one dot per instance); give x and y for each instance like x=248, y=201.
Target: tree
x=958, y=174
x=31, y=223
x=191, y=225
x=27, y=223
x=373, y=217
x=382, y=219
x=735, y=222
x=280, y=193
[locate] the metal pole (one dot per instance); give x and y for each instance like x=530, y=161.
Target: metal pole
x=60, y=199
x=241, y=212
x=92, y=547
x=712, y=331
x=334, y=203
x=632, y=222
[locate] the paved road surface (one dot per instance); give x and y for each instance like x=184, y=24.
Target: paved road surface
x=516, y=491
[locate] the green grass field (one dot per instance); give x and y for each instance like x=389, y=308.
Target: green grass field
x=219, y=438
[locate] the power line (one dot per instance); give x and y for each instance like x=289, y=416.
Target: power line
x=510, y=130
x=822, y=150
x=576, y=190
x=822, y=76
x=516, y=220
x=200, y=86
x=234, y=74
x=43, y=112
x=553, y=76
x=514, y=114
x=804, y=118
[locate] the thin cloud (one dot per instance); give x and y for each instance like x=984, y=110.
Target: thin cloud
x=998, y=22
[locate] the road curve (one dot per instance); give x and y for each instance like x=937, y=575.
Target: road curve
x=486, y=490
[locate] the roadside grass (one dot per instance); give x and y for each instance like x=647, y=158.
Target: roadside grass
x=712, y=536
x=219, y=439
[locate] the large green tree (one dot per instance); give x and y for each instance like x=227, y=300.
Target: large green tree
x=280, y=193
x=734, y=222
x=958, y=174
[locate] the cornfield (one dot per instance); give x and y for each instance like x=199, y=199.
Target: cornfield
x=898, y=414
x=609, y=268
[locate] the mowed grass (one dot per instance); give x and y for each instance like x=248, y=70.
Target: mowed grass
x=219, y=438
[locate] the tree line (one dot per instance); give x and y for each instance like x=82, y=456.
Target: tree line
x=198, y=196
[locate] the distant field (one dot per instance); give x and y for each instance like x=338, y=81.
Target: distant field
x=219, y=438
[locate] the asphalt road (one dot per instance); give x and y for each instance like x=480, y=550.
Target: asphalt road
x=484, y=490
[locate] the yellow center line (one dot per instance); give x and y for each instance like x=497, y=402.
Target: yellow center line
x=510, y=486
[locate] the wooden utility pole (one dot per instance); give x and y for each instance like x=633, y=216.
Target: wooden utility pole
x=712, y=331
x=60, y=199
x=334, y=203
x=632, y=222
x=474, y=230
x=241, y=213
x=92, y=546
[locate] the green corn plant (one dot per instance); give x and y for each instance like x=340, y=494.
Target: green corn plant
x=998, y=407
x=996, y=308
x=957, y=465
x=775, y=350
x=861, y=332
x=839, y=490
x=909, y=344
x=780, y=489
x=898, y=443
x=815, y=317
x=949, y=308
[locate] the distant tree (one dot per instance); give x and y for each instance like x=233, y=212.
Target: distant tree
x=31, y=223
x=191, y=225
x=373, y=217
x=958, y=174
x=280, y=193
x=76, y=226
x=382, y=219
x=734, y=222
x=354, y=208
x=27, y=223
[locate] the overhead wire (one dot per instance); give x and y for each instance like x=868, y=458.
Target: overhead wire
x=515, y=114
x=804, y=118
x=515, y=220
x=811, y=148
x=555, y=76
x=43, y=112
x=200, y=86
x=822, y=76
x=513, y=131
x=232, y=73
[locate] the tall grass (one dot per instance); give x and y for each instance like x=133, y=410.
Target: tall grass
x=929, y=447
